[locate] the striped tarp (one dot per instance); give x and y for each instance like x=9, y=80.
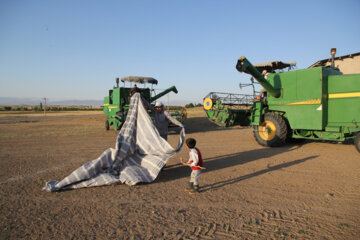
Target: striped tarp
x=138, y=156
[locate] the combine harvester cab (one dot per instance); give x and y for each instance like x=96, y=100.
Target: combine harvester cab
x=116, y=104
x=317, y=103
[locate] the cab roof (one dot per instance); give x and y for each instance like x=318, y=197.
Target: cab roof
x=138, y=79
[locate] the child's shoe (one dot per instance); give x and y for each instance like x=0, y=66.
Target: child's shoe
x=195, y=190
x=190, y=187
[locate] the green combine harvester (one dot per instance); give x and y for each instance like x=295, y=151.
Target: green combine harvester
x=317, y=103
x=116, y=104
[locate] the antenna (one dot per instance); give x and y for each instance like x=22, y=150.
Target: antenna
x=168, y=102
x=45, y=105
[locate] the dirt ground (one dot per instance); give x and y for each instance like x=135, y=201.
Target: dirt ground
x=299, y=191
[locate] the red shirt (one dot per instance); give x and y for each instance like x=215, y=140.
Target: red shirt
x=200, y=162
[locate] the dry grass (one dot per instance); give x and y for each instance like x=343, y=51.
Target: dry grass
x=196, y=112
x=307, y=191
x=49, y=127
x=40, y=114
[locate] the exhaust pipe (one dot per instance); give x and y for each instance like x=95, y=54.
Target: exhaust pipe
x=333, y=52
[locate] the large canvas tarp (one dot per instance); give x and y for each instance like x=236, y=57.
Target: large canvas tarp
x=139, y=155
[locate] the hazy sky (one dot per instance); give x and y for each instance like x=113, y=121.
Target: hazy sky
x=76, y=49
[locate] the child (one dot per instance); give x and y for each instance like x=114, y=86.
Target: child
x=196, y=163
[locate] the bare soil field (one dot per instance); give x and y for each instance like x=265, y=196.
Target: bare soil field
x=299, y=191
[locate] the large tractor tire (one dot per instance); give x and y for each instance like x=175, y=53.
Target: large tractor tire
x=357, y=141
x=273, y=132
x=117, y=125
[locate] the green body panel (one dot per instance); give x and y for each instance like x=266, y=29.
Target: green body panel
x=257, y=113
x=299, y=116
x=344, y=100
x=299, y=91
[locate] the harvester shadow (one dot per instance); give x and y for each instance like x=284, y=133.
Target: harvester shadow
x=221, y=184
x=202, y=124
x=301, y=142
x=178, y=171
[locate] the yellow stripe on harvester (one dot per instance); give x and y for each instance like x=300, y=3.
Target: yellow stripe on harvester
x=308, y=102
x=344, y=95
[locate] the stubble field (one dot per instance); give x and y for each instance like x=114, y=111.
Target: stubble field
x=298, y=191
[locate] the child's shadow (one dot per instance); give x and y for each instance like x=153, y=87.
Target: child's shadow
x=178, y=171
x=255, y=174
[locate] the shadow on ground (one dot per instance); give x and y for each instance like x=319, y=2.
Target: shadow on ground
x=178, y=171
x=255, y=174
x=199, y=124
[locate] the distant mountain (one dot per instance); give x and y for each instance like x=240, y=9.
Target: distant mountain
x=19, y=101
x=78, y=102
x=36, y=101
x=75, y=102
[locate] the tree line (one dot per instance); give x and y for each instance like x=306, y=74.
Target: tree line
x=50, y=108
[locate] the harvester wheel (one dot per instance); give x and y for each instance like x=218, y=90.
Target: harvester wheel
x=272, y=132
x=357, y=141
x=107, y=125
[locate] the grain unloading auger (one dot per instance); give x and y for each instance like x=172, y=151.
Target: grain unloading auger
x=116, y=104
